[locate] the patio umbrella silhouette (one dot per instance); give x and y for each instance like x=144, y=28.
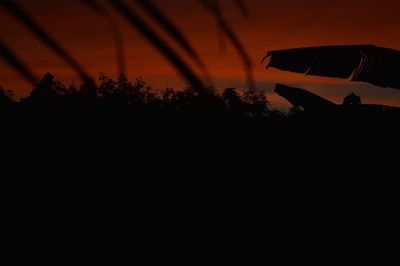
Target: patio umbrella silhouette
x=359, y=63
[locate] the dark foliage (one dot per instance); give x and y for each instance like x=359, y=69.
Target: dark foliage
x=248, y=105
x=6, y=96
x=122, y=104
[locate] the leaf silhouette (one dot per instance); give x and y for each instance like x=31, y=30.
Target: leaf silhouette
x=117, y=35
x=362, y=63
x=16, y=63
x=158, y=15
x=243, y=8
x=14, y=9
x=130, y=15
x=214, y=8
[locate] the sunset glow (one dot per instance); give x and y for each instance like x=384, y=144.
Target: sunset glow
x=272, y=25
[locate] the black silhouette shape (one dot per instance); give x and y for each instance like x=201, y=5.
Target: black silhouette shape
x=308, y=101
x=140, y=98
x=45, y=91
x=363, y=63
x=367, y=63
x=352, y=99
x=6, y=97
x=122, y=103
x=304, y=99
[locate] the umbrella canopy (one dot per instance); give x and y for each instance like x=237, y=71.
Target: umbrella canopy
x=361, y=63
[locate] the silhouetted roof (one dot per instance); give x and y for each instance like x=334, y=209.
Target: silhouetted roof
x=368, y=63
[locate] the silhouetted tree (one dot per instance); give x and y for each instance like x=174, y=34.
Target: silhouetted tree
x=88, y=92
x=6, y=97
x=46, y=92
x=256, y=103
x=144, y=102
x=233, y=101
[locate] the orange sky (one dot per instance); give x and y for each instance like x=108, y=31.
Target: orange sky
x=274, y=24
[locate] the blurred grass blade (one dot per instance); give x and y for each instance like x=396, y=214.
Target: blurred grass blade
x=159, y=16
x=160, y=44
x=14, y=9
x=221, y=34
x=214, y=8
x=222, y=41
x=12, y=59
x=243, y=7
x=117, y=35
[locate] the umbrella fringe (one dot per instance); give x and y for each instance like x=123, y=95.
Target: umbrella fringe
x=360, y=63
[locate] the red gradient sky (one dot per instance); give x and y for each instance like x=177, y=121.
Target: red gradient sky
x=274, y=24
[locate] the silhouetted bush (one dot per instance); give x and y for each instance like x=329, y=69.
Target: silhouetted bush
x=248, y=108
x=250, y=104
x=6, y=97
